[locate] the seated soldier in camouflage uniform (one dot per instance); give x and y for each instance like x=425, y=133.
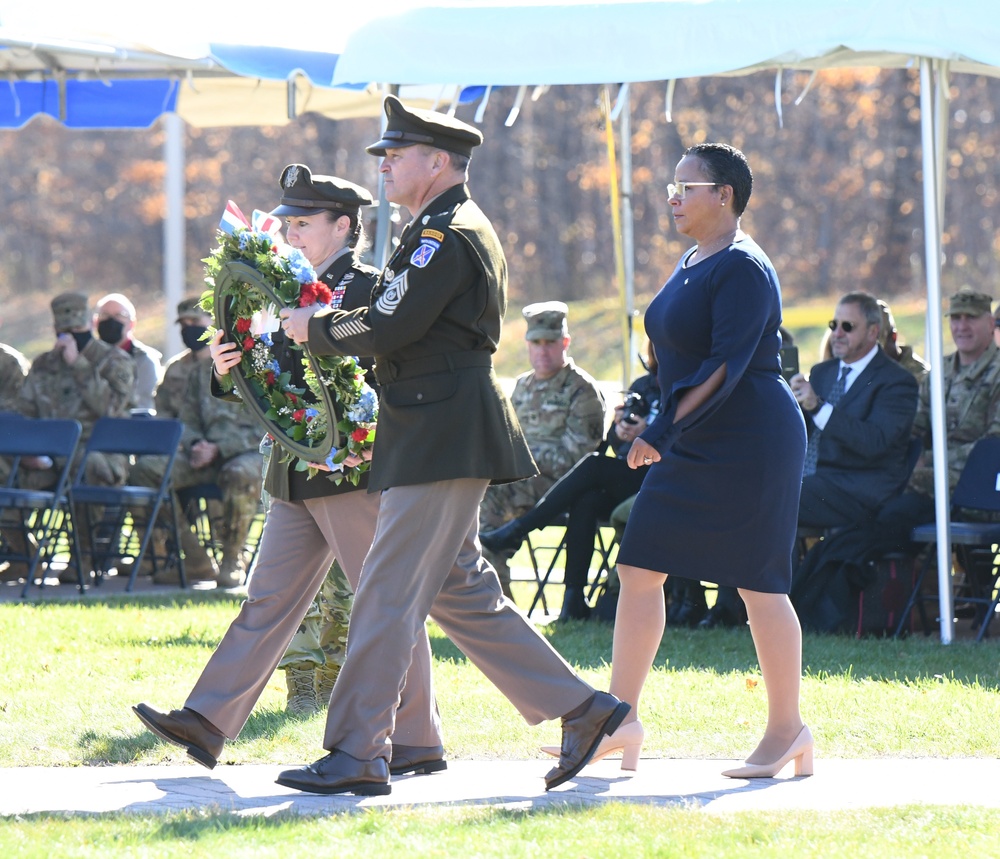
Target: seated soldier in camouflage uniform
x=80, y=378
x=561, y=411
x=13, y=370
x=972, y=411
x=219, y=445
x=169, y=402
x=114, y=321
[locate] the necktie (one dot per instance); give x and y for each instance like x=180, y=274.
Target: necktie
x=812, y=450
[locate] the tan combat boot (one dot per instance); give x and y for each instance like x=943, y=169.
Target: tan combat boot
x=326, y=676
x=300, y=678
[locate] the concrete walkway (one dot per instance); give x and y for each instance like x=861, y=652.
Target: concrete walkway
x=250, y=789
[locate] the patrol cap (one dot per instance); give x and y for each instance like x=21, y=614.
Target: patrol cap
x=302, y=193
x=190, y=309
x=969, y=301
x=71, y=310
x=546, y=320
x=406, y=126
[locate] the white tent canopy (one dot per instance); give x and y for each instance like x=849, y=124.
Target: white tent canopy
x=524, y=43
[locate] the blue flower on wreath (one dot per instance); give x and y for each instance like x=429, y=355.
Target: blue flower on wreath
x=265, y=338
x=311, y=413
x=363, y=411
x=299, y=267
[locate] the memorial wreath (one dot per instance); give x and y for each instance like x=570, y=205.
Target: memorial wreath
x=251, y=276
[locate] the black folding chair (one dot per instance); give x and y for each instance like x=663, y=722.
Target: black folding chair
x=976, y=544
x=139, y=504
x=37, y=522
x=603, y=546
x=196, y=502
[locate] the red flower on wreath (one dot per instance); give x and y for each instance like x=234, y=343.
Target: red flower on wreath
x=242, y=326
x=314, y=293
x=248, y=344
x=270, y=378
x=359, y=434
x=292, y=398
x=298, y=414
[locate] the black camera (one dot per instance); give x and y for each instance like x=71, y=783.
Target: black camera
x=636, y=406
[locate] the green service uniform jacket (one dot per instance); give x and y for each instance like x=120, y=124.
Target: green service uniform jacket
x=433, y=326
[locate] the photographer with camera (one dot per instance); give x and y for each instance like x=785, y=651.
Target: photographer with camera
x=588, y=492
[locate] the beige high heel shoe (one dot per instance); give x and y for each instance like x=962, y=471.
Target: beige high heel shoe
x=801, y=751
x=627, y=740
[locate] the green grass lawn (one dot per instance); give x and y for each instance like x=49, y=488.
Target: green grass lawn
x=72, y=670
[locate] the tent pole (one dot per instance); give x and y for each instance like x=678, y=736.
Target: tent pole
x=174, y=274
x=628, y=237
x=931, y=117
x=616, y=221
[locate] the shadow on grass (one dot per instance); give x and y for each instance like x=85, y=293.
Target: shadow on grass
x=587, y=645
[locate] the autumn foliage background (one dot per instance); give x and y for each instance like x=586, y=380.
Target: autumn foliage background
x=837, y=199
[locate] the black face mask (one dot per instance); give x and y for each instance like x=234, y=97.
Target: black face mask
x=191, y=335
x=82, y=338
x=110, y=330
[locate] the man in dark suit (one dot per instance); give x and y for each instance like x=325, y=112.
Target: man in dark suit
x=859, y=409
x=445, y=432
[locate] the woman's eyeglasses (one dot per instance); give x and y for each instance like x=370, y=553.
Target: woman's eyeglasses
x=680, y=188
x=847, y=327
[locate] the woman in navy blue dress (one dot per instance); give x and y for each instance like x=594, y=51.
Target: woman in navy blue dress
x=721, y=498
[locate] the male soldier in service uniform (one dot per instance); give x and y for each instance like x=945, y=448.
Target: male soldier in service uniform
x=220, y=444
x=561, y=411
x=114, y=321
x=81, y=378
x=972, y=411
x=445, y=432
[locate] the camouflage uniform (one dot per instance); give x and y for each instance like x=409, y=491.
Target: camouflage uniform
x=236, y=470
x=14, y=368
x=98, y=384
x=562, y=418
x=913, y=364
x=972, y=411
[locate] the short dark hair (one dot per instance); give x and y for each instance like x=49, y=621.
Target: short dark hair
x=726, y=165
x=868, y=304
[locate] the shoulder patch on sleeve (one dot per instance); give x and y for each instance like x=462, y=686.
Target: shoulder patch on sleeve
x=432, y=234
x=424, y=253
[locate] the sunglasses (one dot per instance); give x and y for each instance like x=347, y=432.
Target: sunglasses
x=846, y=327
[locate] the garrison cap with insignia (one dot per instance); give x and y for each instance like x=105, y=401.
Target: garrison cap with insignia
x=302, y=193
x=970, y=302
x=189, y=308
x=546, y=320
x=71, y=310
x=406, y=126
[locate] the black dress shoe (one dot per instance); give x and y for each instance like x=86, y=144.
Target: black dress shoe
x=416, y=759
x=581, y=735
x=690, y=613
x=507, y=537
x=191, y=731
x=339, y=772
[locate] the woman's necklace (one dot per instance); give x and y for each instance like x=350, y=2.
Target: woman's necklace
x=702, y=251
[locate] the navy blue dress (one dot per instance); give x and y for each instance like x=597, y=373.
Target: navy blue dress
x=722, y=503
